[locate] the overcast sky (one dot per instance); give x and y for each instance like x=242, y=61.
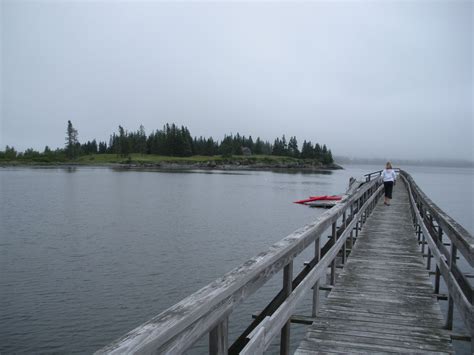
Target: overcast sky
x=388, y=79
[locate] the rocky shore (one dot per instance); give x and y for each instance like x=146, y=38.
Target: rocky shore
x=207, y=165
x=231, y=165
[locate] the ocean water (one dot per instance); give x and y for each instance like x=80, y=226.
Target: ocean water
x=87, y=254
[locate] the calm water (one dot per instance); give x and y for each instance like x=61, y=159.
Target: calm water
x=87, y=254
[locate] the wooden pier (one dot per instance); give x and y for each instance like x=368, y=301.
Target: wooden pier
x=383, y=300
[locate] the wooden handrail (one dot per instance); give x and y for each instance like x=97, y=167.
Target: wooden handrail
x=180, y=326
x=262, y=336
x=368, y=176
x=460, y=239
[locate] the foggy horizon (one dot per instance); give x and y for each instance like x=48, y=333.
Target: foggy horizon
x=389, y=80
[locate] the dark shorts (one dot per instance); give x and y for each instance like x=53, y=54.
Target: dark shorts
x=388, y=186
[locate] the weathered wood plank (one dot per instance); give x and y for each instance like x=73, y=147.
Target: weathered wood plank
x=358, y=336
x=390, y=329
x=349, y=347
x=383, y=299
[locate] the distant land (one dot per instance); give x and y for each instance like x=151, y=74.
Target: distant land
x=448, y=163
x=174, y=147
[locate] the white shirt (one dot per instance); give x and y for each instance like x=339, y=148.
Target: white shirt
x=389, y=175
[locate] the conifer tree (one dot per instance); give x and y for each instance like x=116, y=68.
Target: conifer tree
x=293, y=148
x=71, y=141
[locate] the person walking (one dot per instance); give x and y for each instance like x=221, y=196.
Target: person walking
x=389, y=177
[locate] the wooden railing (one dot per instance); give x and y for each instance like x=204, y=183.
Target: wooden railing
x=442, y=238
x=376, y=174
x=207, y=311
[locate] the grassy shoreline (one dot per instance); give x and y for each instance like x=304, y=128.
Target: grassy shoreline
x=254, y=162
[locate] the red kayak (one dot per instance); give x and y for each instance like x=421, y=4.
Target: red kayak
x=327, y=198
x=320, y=198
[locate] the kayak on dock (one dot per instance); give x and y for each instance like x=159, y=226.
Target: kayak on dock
x=320, y=198
x=326, y=198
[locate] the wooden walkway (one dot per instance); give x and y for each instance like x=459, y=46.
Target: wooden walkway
x=383, y=300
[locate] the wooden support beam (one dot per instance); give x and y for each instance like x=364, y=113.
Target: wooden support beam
x=296, y=319
x=449, y=317
x=344, y=255
x=317, y=257
x=326, y=287
x=287, y=288
x=333, y=263
x=219, y=338
x=460, y=337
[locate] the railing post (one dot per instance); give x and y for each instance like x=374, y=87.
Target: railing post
x=219, y=338
x=423, y=240
x=317, y=257
x=438, y=273
x=365, y=212
x=428, y=262
x=287, y=288
x=351, y=238
x=358, y=220
x=333, y=263
x=344, y=245
x=449, y=317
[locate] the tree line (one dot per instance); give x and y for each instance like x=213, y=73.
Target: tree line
x=172, y=140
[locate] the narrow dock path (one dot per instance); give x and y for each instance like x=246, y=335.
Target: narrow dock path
x=383, y=300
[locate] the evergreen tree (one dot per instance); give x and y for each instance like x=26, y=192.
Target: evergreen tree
x=142, y=140
x=329, y=158
x=267, y=148
x=186, y=148
x=293, y=148
x=10, y=153
x=71, y=141
x=317, y=152
x=102, y=147
x=307, y=151
x=280, y=147
x=226, y=146
x=124, y=144
x=47, y=151
x=258, y=147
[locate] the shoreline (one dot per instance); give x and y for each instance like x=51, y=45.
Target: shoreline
x=173, y=166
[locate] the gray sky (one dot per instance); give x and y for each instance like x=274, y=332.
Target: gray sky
x=368, y=78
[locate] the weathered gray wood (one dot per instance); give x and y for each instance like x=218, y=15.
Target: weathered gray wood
x=287, y=288
x=456, y=294
x=317, y=257
x=449, y=317
x=463, y=240
x=255, y=346
x=285, y=311
x=344, y=253
x=333, y=263
x=219, y=338
x=383, y=300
